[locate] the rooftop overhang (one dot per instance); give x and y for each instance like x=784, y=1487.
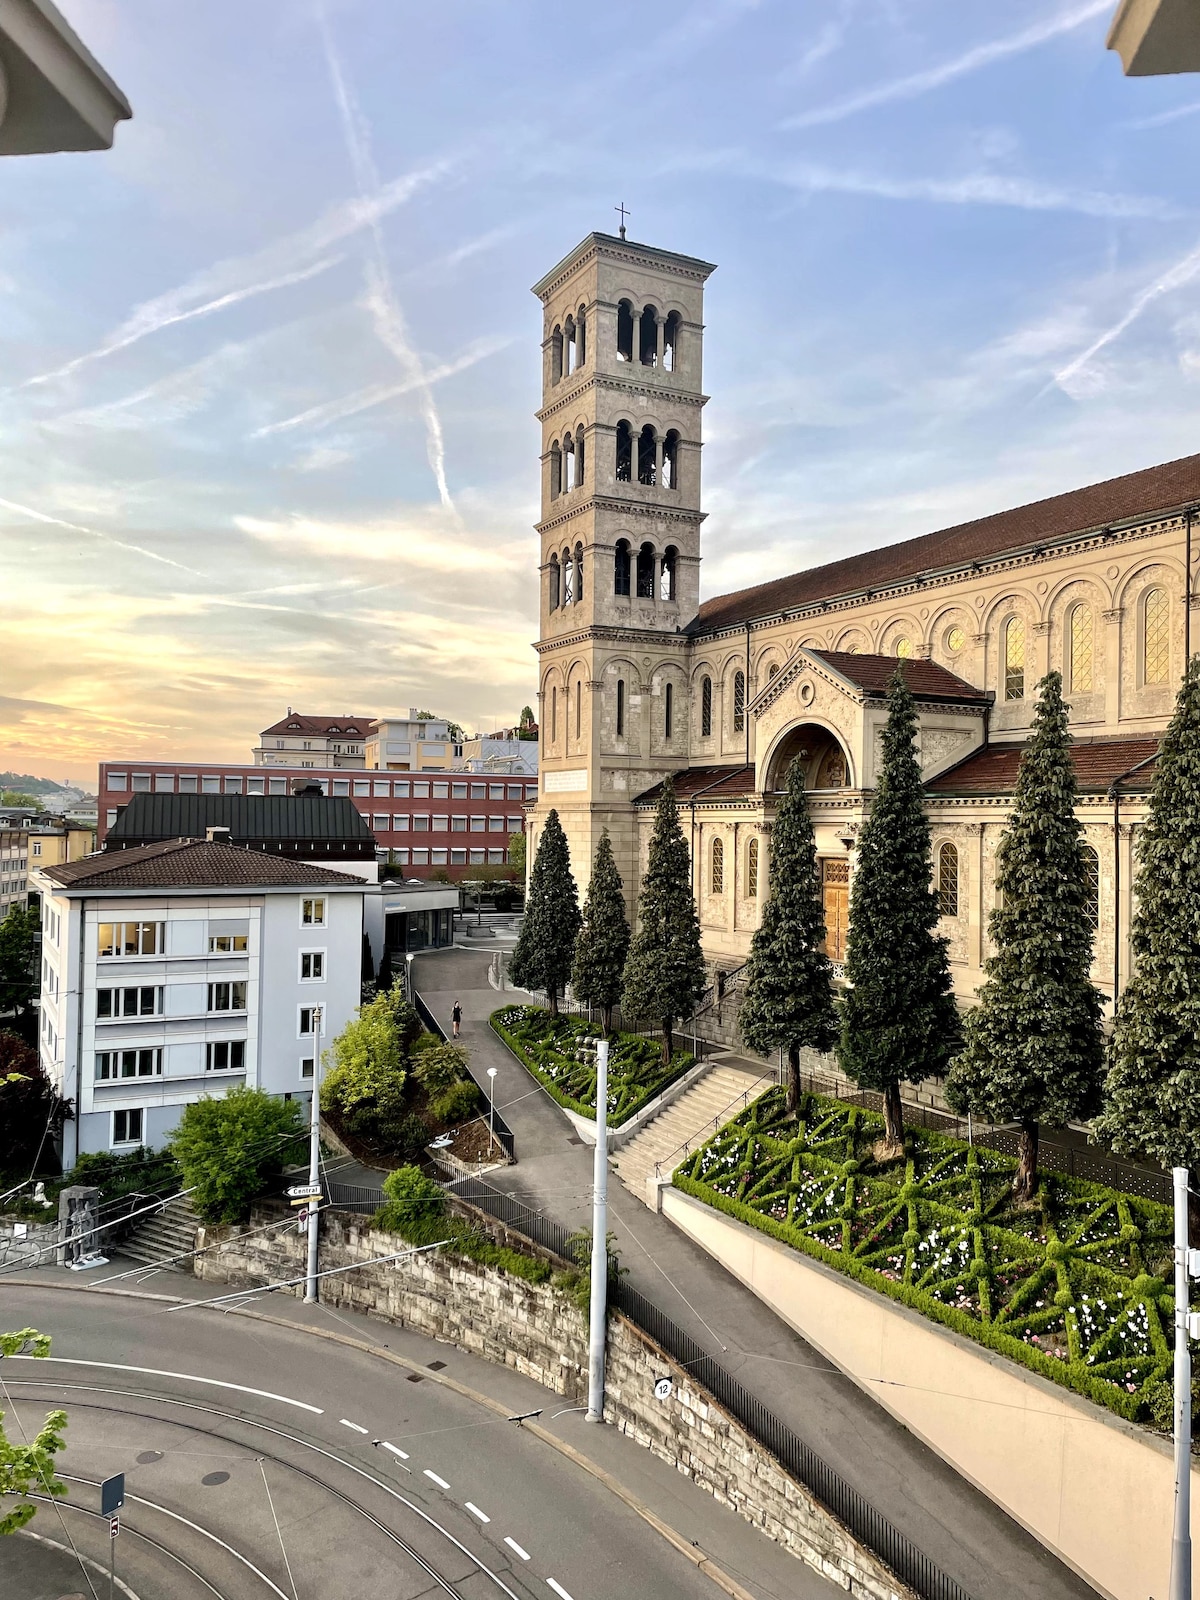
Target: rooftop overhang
x=1155, y=37
x=54, y=94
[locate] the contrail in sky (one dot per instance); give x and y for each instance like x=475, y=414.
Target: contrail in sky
x=108, y=538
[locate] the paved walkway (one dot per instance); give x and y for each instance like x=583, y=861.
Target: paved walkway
x=954, y=1524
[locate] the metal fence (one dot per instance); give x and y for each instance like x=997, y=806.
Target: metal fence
x=355, y=1196
x=867, y=1524
x=505, y=1137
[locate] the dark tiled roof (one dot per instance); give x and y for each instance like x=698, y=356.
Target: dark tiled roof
x=311, y=820
x=714, y=783
x=1153, y=491
x=926, y=679
x=194, y=864
x=296, y=722
x=1097, y=763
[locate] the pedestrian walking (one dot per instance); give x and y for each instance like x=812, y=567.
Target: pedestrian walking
x=456, y=1017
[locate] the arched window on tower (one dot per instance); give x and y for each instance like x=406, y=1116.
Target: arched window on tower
x=625, y=448
x=670, y=460
x=579, y=459
x=716, y=879
x=645, y=572
x=555, y=590
x=648, y=337
x=556, y=355
x=1083, y=653
x=620, y=708
x=568, y=463
x=671, y=342
x=666, y=585
x=554, y=715
x=556, y=476
x=580, y=337
x=774, y=671
x=947, y=885
x=706, y=708
x=625, y=321
x=578, y=706
x=645, y=460
x=752, y=870
x=1014, y=659
x=568, y=578
x=739, y=702
x=578, y=572
x=1156, y=637
x=621, y=566
x=1091, y=885
x=668, y=710
x=570, y=357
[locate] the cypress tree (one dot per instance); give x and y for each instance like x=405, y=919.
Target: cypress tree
x=546, y=945
x=664, y=973
x=603, y=941
x=788, y=996
x=1034, y=1049
x=899, y=1019
x=1152, y=1094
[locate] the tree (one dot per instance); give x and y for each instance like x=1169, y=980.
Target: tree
x=516, y=855
x=31, y=1111
x=18, y=959
x=385, y=977
x=527, y=726
x=232, y=1148
x=899, y=1019
x=787, y=1000
x=29, y=1468
x=24, y=802
x=603, y=943
x=546, y=944
x=1152, y=1093
x=1034, y=1049
x=664, y=972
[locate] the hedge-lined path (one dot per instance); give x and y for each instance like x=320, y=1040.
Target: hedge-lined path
x=954, y=1524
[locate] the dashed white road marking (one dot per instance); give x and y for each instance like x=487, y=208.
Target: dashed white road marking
x=475, y=1511
x=358, y=1428
x=441, y=1482
x=513, y=1545
x=187, y=1377
x=395, y=1449
x=558, y=1589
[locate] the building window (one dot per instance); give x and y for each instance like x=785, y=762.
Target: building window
x=312, y=913
x=127, y=1126
x=113, y=1064
x=233, y=786
x=739, y=702
x=131, y=939
x=141, y=783
x=947, y=886
x=379, y=822
x=668, y=710
x=146, y=1000
x=645, y=572
x=307, y=1066
x=555, y=584
x=496, y=825
x=554, y=716
x=479, y=791
x=227, y=944
x=459, y=791
x=1014, y=659
x=118, y=780
x=578, y=706
x=1156, y=644
x=705, y=708
x=903, y=649
x=716, y=881
x=225, y=1055
x=620, y=708
x=441, y=824
x=752, y=870
x=37, y=849
x=458, y=824
x=210, y=783
x=309, y=1016
x=1091, y=885
x=312, y=966
x=227, y=996
x=362, y=786
x=515, y=824
x=531, y=791
x=1082, y=675
x=420, y=823
x=340, y=786
x=399, y=824
x=955, y=640
x=478, y=824
x=621, y=574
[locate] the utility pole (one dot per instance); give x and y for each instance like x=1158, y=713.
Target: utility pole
x=599, y=1306
x=1181, y=1533
x=314, y=1162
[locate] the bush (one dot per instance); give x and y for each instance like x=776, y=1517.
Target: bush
x=139, y=1171
x=31, y=1112
x=440, y=1067
x=455, y=1104
x=416, y=1209
x=230, y=1150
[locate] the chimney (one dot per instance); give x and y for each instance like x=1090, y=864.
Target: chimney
x=217, y=835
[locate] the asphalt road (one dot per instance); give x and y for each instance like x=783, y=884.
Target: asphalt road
x=262, y=1461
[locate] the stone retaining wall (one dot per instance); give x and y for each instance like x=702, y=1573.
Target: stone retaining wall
x=538, y=1331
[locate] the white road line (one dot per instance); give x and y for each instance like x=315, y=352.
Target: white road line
x=513, y=1545
x=475, y=1511
x=441, y=1482
x=187, y=1377
x=395, y=1449
x=346, y=1423
x=558, y=1589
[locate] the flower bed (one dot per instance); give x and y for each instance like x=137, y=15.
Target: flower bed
x=554, y=1050
x=1075, y=1286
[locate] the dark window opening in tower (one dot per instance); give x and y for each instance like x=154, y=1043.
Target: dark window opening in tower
x=739, y=702
x=621, y=565
x=578, y=572
x=666, y=585
x=648, y=337
x=645, y=572
x=774, y=671
x=554, y=715
x=570, y=351
x=555, y=591
x=671, y=342
x=668, y=710
x=620, y=708
x=568, y=578
x=579, y=474
x=625, y=320
x=568, y=463
x=624, y=453
x=556, y=355
x=645, y=460
x=670, y=460
x=580, y=337
x=578, y=706
x=705, y=708
x=555, y=471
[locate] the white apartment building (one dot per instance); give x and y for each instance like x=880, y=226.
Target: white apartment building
x=174, y=970
x=298, y=740
x=409, y=743
x=14, y=865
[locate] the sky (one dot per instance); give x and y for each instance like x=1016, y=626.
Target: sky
x=268, y=367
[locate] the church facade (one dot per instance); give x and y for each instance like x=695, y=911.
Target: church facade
x=639, y=681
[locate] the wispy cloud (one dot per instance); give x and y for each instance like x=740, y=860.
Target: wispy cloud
x=169, y=399
x=916, y=84
x=95, y=533
x=1163, y=117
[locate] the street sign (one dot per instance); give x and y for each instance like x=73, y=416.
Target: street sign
x=114, y=1527
x=112, y=1495
x=302, y=1220
x=662, y=1388
x=312, y=1203
x=302, y=1191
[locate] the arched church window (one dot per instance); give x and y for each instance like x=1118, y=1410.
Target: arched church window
x=625, y=452
x=578, y=573
x=556, y=355
x=739, y=702
x=716, y=881
x=670, y=460
x=648, y=337
x=773, y=671
x=955, y=640
x=752, y=870
x=568, y=578
x=556, y=473
x=666, y=587
x=621, y=566
x=668, y=710
x=1014, y=659
x=580, y=337
x=625, y=321
x=645, y=572
x=1083, y=654
x=947, y=885
x=620, y=708
x=1156, y=643
x=645, y=456
x=1090, y=862
x=579, y=459
x=554, y=715
x=578, y=706
x=568, y=464
x=569, y=361
x=671, y=343
x=555, y=590
x=904, y=649
x=705, y=708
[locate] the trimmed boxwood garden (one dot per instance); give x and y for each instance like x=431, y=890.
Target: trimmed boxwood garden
x=1074, y=1285
x=555, y=1051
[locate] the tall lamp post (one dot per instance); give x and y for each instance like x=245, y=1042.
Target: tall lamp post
x=408, y=961
x=599, y=1301
x=491, y=1072
x=314, y=1161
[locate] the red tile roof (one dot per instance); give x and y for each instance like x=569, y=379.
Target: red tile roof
x=194, y=864
x=1154, y=491
x=926, y=679
x=1097, y=763
x=714, y=783
x=349, y=727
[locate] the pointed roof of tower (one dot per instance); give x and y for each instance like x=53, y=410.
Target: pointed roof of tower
x=609, y=245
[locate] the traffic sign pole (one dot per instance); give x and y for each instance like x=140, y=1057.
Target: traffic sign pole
x=314, y=1159
x=112, y=1498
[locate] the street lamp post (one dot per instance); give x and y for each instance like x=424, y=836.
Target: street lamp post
x=491, y=1072
x=408, y=961
x=599, y=1300
x=314, y=1161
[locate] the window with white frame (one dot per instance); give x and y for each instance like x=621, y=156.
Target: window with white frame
x=312, y=966
x=399, y=824
x=118, y=781
x=458, y=824
x=307, y=1066
x=127, y=1126
x=441, y=824
x=142, y=1000
x=379, y=822
x=114, y=1064
x=312, y=913
x=119, y=939
x=309, y=1017
x=228, y=944
x=478, y=824
x=459, y=791
x=225, y=1055
x=227, y=996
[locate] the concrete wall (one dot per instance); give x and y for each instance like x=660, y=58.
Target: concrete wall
x=1094, y=1489
x=538, y=1331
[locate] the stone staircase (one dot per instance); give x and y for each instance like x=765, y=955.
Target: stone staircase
x=162, y=1234
x=718, y=1096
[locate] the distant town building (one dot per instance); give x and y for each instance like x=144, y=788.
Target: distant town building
x=310, y=826
x=303, y=741
x=14, y=868
x=412, y=743
x=50, y=843
x=499, y=753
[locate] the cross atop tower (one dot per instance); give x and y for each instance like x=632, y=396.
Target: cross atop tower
x=624, y=214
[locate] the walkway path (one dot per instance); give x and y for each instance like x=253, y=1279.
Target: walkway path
x=957, y=1527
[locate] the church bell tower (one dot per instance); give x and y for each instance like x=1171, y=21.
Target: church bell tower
x=622, y=396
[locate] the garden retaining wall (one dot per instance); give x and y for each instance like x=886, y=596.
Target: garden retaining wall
x=538, y=1331
x=1094, y=1489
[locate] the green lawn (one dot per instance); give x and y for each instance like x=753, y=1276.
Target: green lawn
x=1077, y=1286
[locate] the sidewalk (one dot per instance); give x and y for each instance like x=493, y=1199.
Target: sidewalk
x=968, y=1536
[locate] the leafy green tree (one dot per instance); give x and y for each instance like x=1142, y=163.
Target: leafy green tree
x=603, y=943
x=517, y=856
x=233, y=1148
x=27, y=1469
x=31, y=1111
x=546, y=944
x=27, y=802
x=899, y=1019
x=440, y=1066
x=18, y=960
x=365, y=1091
x=1034, y=1050
x=664, y=971
x=527, y=726
x=787, y=1000
x=1152, y=1093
